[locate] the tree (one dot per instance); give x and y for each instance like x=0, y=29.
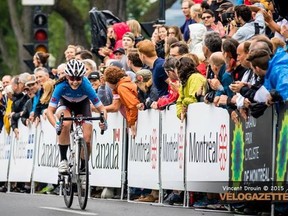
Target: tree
x=68, y=24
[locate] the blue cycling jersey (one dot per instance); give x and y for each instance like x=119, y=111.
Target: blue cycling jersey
x=64, y=90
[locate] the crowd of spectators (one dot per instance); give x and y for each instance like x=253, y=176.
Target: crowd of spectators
x=232, y=56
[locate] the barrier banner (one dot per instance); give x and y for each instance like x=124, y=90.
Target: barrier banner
x=172, y=150
x=22, y=154
x=143, y=151
x=207, y=152
x=251, y=152
x=281, y=158
x=106, y=155
x=47, y=154
x=5, y=149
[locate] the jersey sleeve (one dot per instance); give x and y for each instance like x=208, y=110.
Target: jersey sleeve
x=57, y=93
x=91, y=93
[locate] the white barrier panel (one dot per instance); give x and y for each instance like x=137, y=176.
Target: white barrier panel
x=143, y=152
x=5, y=149
x=21, y=162
x=207, y=146
x=47, y=154
x=106, y=155
x=172, y=151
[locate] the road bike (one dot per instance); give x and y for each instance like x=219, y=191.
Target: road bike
x=77, y=177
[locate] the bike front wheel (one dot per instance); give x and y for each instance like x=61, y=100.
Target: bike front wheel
x=83, y=175
x=67, y=190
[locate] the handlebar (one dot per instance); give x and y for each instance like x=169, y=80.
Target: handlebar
x=80, y=119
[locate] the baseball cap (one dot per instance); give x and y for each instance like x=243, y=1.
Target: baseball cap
x=225, y=6
x=117, y=64
x=94, y=75
x=145, y=73
x=120, y=50
x=31, y=79
x=130, y=35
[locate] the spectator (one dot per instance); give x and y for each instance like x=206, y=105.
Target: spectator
x=248, y=27
x=83, y=54
x=128, y=42
x=90, y=66
x=186, y=5
x=191, y=82
x=42, y=76
x=40, y=59
x=119, y=29
x=28, y=105
x=168, y=42
x=276, y=74
x=19, y=99
x=61, y=70
x=217, y=65
x=174, y=31
x=173, y=87
x=178, y=49
x=8, y=91
x=6, y=80
x=118, y=53
x=118, y=81
x=160, y=45
x=70, y=52
x=135, y=28
x=196, y=14
x=148, y=56
x=147, y=93
x=197, y=34
x=211, y=24
x=103, y=91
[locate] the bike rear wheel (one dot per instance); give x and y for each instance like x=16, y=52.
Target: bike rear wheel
x=68, y=191
x=83, y=176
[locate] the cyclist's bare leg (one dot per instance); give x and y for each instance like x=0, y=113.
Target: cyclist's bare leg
x=64, y=138
x=87, y=131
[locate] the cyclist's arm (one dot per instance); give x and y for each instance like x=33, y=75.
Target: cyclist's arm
x=52, y=107
x=50, y=115
x=101, y=108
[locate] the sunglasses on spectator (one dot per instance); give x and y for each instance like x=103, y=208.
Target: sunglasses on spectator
x=30, y=85
x=74, y=78
x=206, y=17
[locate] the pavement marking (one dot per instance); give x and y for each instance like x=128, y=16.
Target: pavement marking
x=70, y=211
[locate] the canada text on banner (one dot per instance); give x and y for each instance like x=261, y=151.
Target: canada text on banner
x=22, y=154
x=5, y=150
x=106, y=155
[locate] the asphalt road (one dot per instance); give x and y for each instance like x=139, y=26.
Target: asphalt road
x=12, y=204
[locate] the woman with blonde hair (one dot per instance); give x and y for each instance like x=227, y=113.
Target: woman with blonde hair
x=48, y=88
x=135, y=28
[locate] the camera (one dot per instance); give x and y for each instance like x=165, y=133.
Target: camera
x=227, y=17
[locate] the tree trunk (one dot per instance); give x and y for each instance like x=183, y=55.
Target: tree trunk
x=74, y=20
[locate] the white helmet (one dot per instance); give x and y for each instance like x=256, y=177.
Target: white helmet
x=75, y=68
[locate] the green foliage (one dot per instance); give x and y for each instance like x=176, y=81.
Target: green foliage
x=8, y=37
x=57, y=40
x=136, y=8
x=83, y=6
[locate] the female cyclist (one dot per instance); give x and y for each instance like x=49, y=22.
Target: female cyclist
x=73, y=93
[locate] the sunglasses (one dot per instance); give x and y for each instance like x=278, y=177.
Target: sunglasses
x=74, y=78
x=31, y=85
x=206, y=17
